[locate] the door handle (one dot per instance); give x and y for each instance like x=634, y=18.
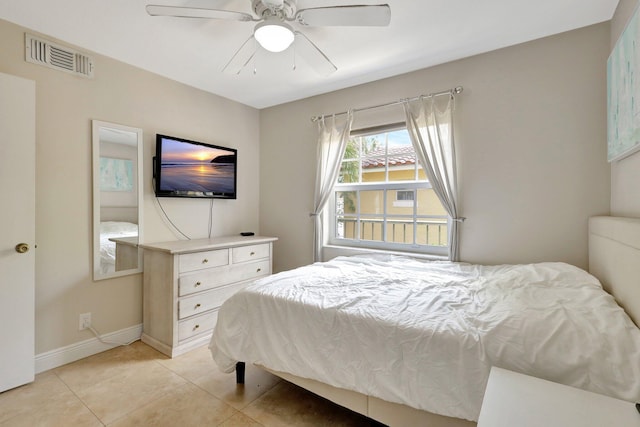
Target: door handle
x=22, y=248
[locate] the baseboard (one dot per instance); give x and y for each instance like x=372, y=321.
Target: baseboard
x=80, y=350
x=184, y=347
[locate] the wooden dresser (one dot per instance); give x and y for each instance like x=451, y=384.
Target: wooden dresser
x=186, y=282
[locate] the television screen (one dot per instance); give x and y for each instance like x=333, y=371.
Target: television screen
x=186, y=168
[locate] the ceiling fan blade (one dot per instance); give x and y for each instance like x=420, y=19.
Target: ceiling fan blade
x=354, y=15
x=242, y=57
x=194, y=12
x=313, y=56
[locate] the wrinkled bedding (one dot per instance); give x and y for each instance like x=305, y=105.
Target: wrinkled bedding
x=427, y=333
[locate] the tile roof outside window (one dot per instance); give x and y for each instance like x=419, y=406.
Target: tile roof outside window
x=397, y=156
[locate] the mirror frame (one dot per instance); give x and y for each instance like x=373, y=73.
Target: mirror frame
x=96, y=126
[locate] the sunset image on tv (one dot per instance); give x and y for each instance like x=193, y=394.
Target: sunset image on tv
x=189, y=168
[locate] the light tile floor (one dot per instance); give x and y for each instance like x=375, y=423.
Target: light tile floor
x=138, y=386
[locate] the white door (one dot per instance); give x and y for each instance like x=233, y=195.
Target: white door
x=17, y=226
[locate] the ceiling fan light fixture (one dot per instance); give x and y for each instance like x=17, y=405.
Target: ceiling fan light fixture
x=274, y=35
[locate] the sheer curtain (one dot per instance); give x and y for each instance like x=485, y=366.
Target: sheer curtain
x=332, y=140
x=430, y=125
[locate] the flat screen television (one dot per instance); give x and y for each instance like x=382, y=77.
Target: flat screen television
x=186, y=168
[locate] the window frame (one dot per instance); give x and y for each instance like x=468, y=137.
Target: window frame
x=331, y=219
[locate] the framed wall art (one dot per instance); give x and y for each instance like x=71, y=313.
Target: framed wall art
x=623, y=93
x=116, y=174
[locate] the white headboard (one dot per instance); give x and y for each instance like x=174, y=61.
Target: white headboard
x=614, y=258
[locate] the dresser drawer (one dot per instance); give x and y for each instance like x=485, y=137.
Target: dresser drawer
x=248, y=253
x=197, y=324
x=208, y=300
x=200, y=260
x=214, y=277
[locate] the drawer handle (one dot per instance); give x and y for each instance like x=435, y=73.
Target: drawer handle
x=197, y=305
x=252, y=254
x=258, y=270
x=196, y=327
x=204, y=261
x=198, y=284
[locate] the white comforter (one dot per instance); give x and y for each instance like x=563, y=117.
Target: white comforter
x=427, y=333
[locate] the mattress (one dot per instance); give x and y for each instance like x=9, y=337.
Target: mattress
x=426, y=334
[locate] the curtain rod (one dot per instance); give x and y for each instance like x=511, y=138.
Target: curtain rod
x=456, y=90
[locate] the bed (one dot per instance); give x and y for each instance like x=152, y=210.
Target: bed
x=418, y=351
x=110, y=230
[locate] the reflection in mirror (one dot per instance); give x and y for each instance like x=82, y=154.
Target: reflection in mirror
x=117, y=196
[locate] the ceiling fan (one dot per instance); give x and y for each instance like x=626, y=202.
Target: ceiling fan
x=274, y=30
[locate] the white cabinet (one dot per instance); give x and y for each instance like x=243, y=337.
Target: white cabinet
x=513, y=399
x=186, y=282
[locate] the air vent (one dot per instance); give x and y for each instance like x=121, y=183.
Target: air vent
x=53, y=55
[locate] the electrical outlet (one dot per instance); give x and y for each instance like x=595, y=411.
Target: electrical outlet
x=84, y=321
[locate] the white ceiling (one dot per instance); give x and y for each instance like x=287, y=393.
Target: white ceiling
x=422, y=33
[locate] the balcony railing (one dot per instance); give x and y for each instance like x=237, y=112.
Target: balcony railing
x=432, y=232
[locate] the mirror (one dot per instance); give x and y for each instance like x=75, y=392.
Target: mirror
x=117, y=200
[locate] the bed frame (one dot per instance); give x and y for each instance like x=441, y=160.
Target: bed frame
x=614, y=258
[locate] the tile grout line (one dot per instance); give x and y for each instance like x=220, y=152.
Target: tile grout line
x=77, y=397
x=200, y=388
x=236, y=411
x=123, y=415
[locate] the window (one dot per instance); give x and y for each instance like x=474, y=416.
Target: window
x=404, y=199
x=405, y=195
x=382, y=198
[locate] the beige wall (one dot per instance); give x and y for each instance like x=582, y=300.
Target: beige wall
x=625, y=174
x=122, y=94
x=531, y=126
